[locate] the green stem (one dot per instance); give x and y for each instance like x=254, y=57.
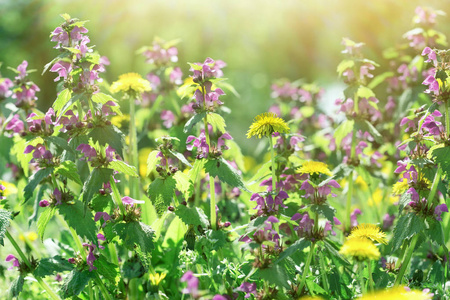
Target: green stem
x=349, y=200
x=212, y=187
x=447, y=119
x=405, y=262
x=323, y=273
x=116, y=195
x=91, y=291
x=434, y=186
x=134, y=158
x=102, y=287
x=41, y=282
x=307, y=265
x=272, y=157
x=361, y=277
x=74, y=235
x=369, y=269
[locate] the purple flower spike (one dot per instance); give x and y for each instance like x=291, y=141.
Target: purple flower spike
x=192, y=284
x=130, y=201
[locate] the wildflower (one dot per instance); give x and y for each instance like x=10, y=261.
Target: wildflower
x=248, y=288
x=15, y=124
x=5, y=85
x=369, y=231
x=29, y=236
x=2, y=191
x=130, y=201
x=192, y=284
x=130, y=83
x=360, y=249
x=168, y=117
x=354, y=216
x=400, y=187
x=14, y=260
x=90, y=258
x=388, y=221
x=156, y=278
x=439, y=210
x=315, y=167
x=265, y=124
x=399, y=293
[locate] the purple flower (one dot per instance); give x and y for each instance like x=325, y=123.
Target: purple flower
x=200, y=143
x=15, y=124
x=248, y=288
x=2, y=188
x=388, y=221
x=433, y=85
x=431, y=55
x=130, y=201
x=439, y=210
x=175, y=76
x=88, y=151
x=354, y=216
x=44, y=203
x=14, y=260
x=90, y=258
x=168, y=117
x=63, y=68
x=101, y=237
x=209, y=69
x=219, y=297
x=5, y=85
x=192, y=284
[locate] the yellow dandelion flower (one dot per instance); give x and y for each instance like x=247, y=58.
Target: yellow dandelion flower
x=30, y=236
x=369, y=231
x=311, y=298
x=376, y=198
x=315, y=167
x=398, y=293
x=400, y=187
x=362, y=184
x=121, y=121
x=265, y=124
x=360, y=249
x=10, y=188
x=156, y=278
x=130, y=83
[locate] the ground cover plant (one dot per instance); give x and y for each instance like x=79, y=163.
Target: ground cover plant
x=134, y=189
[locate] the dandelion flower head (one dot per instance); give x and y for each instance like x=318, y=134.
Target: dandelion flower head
x=130, y=83
x=360, y=249
x=369, y=231
x=267, y=123
x=315, y=167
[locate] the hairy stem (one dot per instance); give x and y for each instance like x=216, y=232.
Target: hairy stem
x=369, y=269
x=361, y=277
x=307, y=265
x=134, y=159
x=406, y=260
x=272, y=157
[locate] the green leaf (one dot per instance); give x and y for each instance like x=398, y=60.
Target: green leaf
x=403, y=201
x=161, y=192
x=184, y=184
x=407, y=226
x=342, y=131
x=75, y=283
x=226, y=173
x=275, y=275
x=194, y=120
x=217, y=122
x=43, y=220
x=69, y=169
x=212, y=240
x=95, y=182
x=35, y=179
x=60, y=143
x=365, y=92
x=123, y=167
x=110, y=135
x=103, y=99
x=133, y=268
x=62, y=99
x=436, y=274
x=16, y=287
x=107, y=269
x=80, y=219
x=365, y=125
x=135, y=234
x=379, y=79
x=187, y=89
x=324, y=209
x=192, y=216
x=196, y=169
x=299, y=245
x=101, y=202
x=344, y=65
x=180, y=157
x=441, y=155
x=152, y=160
x=5, y=218
x=52, y=265
x=436, y=232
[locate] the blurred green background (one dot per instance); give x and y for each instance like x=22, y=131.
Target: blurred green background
x=260, y=40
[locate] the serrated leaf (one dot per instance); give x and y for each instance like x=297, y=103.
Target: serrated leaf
x=298, y=245
x=103, y=99
x=365, y=92
x=5, y=218
x=184, y=184
x=135, y=233
x=407, y=226
x=43, y=220
x=16, y=287
x=194, y=120
x=342, y=131
x=107, y=269
x=52, y=265
x=79, y=219
x=152, y=161
x=192, y=216
x=217, y=122
x=226, y=173
x=60, y=143
x=441, y=155
x=123, y=167
x=196, y=169
x=35, y=179
x=161, y=192
x=75, y=283
x=275, y=275
x=62, y=99
x=133, y=268
x=110, y=135
x=324, y=209
x=69, y=169
x=180, y=157
x=95, y=182
x=436, y=232
x=403, y=201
